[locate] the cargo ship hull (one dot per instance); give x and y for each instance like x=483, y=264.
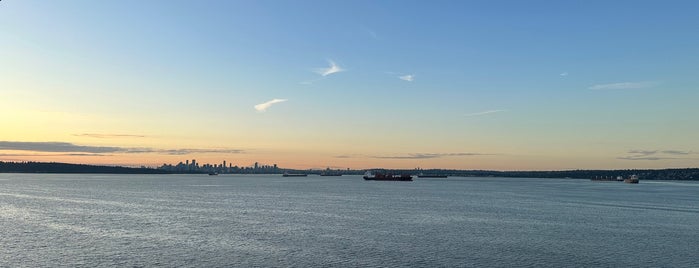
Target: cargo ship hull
x=387, y=177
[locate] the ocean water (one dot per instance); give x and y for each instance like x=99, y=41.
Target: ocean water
x=50, y=220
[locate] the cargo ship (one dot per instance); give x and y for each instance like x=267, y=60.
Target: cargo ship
x=632, y=179
x=607, y=178
x=369, y=176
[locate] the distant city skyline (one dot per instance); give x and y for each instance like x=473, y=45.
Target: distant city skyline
x=505, y=85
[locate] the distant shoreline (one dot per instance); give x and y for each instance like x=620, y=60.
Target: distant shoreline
x=643, y=174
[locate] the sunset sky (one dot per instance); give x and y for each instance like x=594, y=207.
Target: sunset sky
x=502, y=85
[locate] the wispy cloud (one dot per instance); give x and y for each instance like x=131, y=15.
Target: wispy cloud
x=55, y=147
x=653, y=155
x=643, y=152
x=181, y=151
x=310, y=82
x=428, y=155
x=677, y=152
x=408, y=78
x=263, y=106
x=485, y=112
x=564, y=74
x=649, y=158
x=82, y=150
x=623, y=85
x=49, y=155
x=108, y=136
x=333, y=68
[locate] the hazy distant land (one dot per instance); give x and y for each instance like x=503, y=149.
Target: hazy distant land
x=644, y=174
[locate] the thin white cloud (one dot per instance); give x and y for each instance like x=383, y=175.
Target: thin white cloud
x=310, y=82
x=263, y=106
x=564, y=74
x=408, y=78
x=623, y=85
x=485, y=112
x=333, y=68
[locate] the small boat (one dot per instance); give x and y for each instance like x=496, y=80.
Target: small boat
x=369, y=176
x=286, y=174
x=632, y=179
x=213, y=173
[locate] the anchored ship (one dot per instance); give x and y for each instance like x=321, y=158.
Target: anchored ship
x=632, y=179
x=387, y=177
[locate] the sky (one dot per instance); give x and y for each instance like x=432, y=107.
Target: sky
x=499, y=85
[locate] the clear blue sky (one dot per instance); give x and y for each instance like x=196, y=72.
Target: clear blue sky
x=452, y=84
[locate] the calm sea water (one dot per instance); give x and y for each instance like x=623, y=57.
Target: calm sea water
x=271, y=221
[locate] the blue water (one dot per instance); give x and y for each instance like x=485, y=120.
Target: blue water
x=271, y=221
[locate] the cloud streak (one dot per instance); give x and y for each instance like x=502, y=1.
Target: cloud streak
x=654, y=155
x=408, y=78
x=643, y=152
x=262, y=107
x=649, y=158
x=55, y=147
x=485, y=112
x=677, y=152
x=49, y=155
x=81, y=150
x=332, y=69
x=190, y=151
x=623, y=85
x=310, y=82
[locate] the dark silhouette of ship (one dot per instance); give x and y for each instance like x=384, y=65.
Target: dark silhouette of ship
x=369, y=176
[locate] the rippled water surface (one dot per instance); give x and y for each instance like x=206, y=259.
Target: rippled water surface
x=271, y=221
